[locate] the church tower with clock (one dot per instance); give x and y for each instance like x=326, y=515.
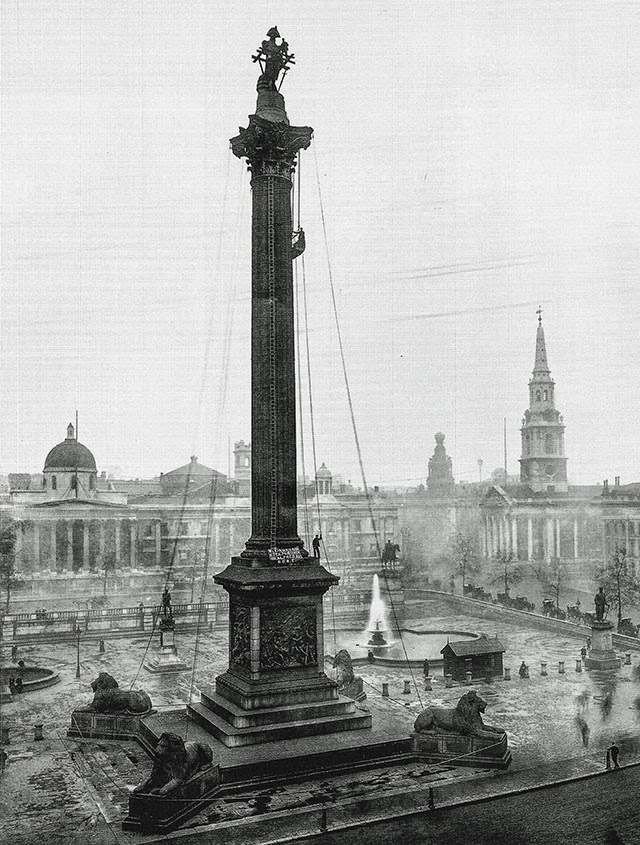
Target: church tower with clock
x=543, y=465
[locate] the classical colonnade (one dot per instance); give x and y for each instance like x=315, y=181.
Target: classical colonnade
x=530, y=537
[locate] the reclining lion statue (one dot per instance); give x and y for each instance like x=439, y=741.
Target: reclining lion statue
x=344, y=668
x=465, y=719
x=174, y=763
x=109, y=698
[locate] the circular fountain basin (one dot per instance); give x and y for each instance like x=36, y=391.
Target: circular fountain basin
x=33, y=677
x=410, y=648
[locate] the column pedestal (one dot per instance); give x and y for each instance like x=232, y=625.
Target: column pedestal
x=166, y=658
x=601, y=654
x=275, y=686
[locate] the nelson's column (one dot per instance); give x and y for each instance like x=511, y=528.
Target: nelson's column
x=275, y=686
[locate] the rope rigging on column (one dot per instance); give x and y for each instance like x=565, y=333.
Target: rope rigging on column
x=352, y=414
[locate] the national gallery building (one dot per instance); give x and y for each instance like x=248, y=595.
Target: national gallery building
x=72, y=519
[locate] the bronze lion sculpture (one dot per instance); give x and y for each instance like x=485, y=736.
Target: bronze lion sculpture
x=344, y=668
x=465, y=719
x=109, y=698
x=174, y=763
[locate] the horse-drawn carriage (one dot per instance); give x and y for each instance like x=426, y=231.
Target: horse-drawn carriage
x=476, y=593
x=550, y=609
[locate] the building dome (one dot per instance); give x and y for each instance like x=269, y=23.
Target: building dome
x=70, y=455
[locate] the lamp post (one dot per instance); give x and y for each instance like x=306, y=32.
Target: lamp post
x=78, y=631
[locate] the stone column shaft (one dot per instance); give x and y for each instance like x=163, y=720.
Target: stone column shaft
x=575, y=539
x=69, y=545
x=529, y=539
x=133, y=533
x=85, y=545
x=117, y=543
x=36, y=545
x=158, y=543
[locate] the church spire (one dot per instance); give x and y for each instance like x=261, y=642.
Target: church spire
x=543, y=465
x=541, y=367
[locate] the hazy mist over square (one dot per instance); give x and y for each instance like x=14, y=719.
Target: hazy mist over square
x=475, y=160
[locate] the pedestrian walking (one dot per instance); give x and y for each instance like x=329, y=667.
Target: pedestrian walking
x=14, y=652
x=612, y=756
x=425, y=667
x=583, y=652
x=585, y=730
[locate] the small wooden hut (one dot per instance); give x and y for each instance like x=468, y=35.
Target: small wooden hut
x=481, y=657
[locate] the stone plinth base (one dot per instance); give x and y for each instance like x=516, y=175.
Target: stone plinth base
x=5, y=694
x=234, y=726
x=354, y=689
x=602, y=654
x=166, y=660
x=86, y=724
x=457, y=750
x=162, y=814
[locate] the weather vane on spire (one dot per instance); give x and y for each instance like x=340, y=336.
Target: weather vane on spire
x=274, y=59
x=539, y=313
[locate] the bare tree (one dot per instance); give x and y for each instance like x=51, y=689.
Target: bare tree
x=507, y=570
x=465, y=556
x=553, y=576
x=619, y=579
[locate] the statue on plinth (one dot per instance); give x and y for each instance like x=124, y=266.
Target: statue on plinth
x=110, y=699
x=175, y=762
x=166, y=603
x=464, y=719
x=389, y=553
x=602, y=654
x=349, y=684
x=601, y=604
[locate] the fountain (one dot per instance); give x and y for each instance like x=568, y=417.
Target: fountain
x=377, y=625
x=396, y=645
x=377, y=636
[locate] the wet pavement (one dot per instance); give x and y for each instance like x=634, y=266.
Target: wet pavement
x=71, y=791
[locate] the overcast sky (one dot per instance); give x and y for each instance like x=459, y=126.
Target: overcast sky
x=475, y=159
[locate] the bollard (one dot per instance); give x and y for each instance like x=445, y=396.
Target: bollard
x=385, y=690
x=578, y=664
x=432, y=803
x=4, y=736
x=37, y=732
x=323, y=821
x=427, y=684
x=407, y=688
x=468, y=676
x=561, y=667
x=543, y=669
x=448, y=681
x=627, y=658
x=507, y=673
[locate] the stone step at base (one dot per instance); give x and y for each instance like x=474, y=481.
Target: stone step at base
x=240, y=718
x=231, y=736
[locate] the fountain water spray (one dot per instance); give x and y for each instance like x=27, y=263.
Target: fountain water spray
x=378, y=624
